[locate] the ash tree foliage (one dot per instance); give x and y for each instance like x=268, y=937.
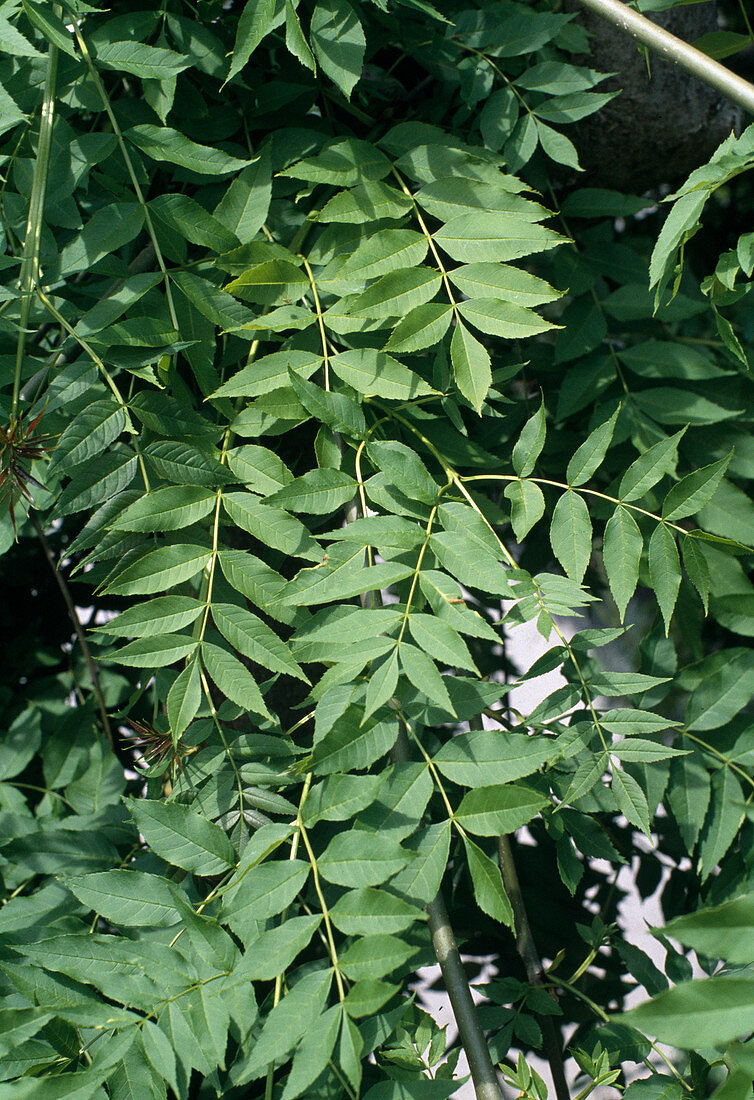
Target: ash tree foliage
x=324, y=370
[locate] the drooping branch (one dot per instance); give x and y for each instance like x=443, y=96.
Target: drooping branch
x=675, y=50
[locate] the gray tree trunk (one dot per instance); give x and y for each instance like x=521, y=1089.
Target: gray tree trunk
x=664, y=123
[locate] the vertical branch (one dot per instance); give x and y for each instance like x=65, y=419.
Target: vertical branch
x=527, y=950
x=78, y=626
x=470, y=1031
x=483, y=1074
x=30, y=260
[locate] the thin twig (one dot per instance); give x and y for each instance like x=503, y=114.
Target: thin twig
x=78, y=627
x=675, y=50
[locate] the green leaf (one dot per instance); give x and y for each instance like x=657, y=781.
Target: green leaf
x=338, y=42
x=167, y=509
x=471, y=366
x=340, y=797
x=350, y=746
x=724, y=819
x=10, y=113
x=342, y=162
x=183, y=699
x=497, y=318
x=374, y=956
x=720, y=44
x=483, y=757
x=631, y=800
x=88, y=435
x=317, y=492
x=489, y=891
x=621, y=552
x=688, y=797
x=259, y=468
x=665, y=359
x=649, y=468
x=160, y=569
x=368, y=202
x=256, y=581
x=186, y=217
x=694, y=491
x=695, y=564
x=642, y=752
x=182, y=836
x=257, y=893
x=353, y=859
x=627, y=722
x=697, y=1015
x=293, y=1016
x=107, y=230
x=270, y=283
x=422, y=327
x=313, y=1054
x=392, y=531
x=385, y=251
x=373, y=373
x=162, y=143
x=527, y=506
x=147, y=62
x=271, y=526
x=530, y=443
x=218, y=307
x=397, y=292
x=258, y=18
x=244, y=206
x=500, y=281
x=295, y=39
x=557, y=146
x=130, y=898
x=14, y=43
x=440, y=640
x=358, y=912
x=233, y=679
x=494, y=810
x=383, y=680
x=664, y=570
x=422, y=672
x=723, y=691
x=470, y=563
x=185, y=464
x=571, y=534
x=722, y=932
x=274, y=951
x=420, y=880
x=155, y=652
x=252, y=638
x=405, y=469
x=97, y=481
x=590, y=455
x=337, y=411
x=158, y=616
x=474, y=237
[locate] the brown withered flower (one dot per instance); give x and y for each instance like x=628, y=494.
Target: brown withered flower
x=157, y=748
x=18, y=449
